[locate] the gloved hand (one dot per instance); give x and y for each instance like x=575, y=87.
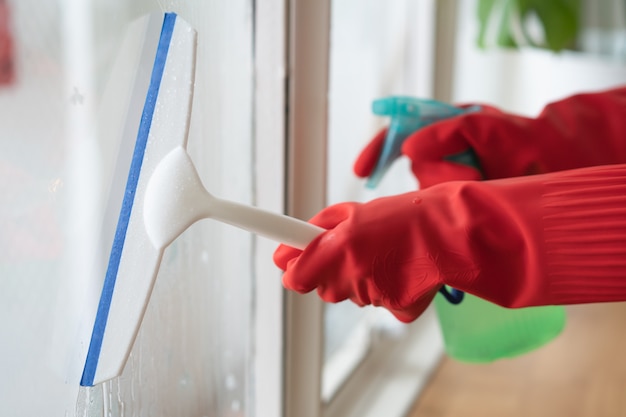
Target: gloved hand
x=580, y=131
x=546, y=239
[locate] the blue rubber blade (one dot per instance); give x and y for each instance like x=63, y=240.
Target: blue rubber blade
x=93, y=354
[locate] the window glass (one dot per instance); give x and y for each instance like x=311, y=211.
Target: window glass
x=193, y=352
x=373, y=50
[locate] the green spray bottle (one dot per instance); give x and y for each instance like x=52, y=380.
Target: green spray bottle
x=474, y=330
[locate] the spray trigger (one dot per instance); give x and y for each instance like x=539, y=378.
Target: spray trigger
x=408, y=114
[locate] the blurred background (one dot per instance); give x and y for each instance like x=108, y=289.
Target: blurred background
x=217, y=338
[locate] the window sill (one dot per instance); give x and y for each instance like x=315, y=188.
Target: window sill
x=388, y=382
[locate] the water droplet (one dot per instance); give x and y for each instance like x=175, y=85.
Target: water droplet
x=230, y=382
x=235, y=405
x=184, y=381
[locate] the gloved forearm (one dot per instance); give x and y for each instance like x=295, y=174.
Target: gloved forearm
x=580, y=131
x=557, y=238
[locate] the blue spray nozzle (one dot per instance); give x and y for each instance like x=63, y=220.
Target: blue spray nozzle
x=408, y=114
x=413, y=107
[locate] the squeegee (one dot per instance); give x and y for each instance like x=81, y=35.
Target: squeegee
x=157, y=192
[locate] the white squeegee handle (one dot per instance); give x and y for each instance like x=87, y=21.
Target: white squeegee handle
x=175, y=199
x=281, y=228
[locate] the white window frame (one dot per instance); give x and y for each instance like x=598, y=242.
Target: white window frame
x=269, y=193
x=308, y=60
x=381, y=385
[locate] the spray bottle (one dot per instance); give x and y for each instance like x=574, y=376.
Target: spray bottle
x=474, y=330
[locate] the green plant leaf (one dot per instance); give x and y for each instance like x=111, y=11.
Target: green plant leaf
x=505, y=34
x=486, y=11
x=560, y=20
x=485, y=8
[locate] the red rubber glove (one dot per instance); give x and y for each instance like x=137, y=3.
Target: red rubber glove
x=557, y=238
x=581, y=131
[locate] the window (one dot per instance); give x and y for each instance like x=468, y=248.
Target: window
x=215, y=335
x=194, y=352
x=372, y=49
x=373, y=52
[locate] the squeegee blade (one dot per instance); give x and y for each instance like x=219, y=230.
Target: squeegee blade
x=163, y=89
